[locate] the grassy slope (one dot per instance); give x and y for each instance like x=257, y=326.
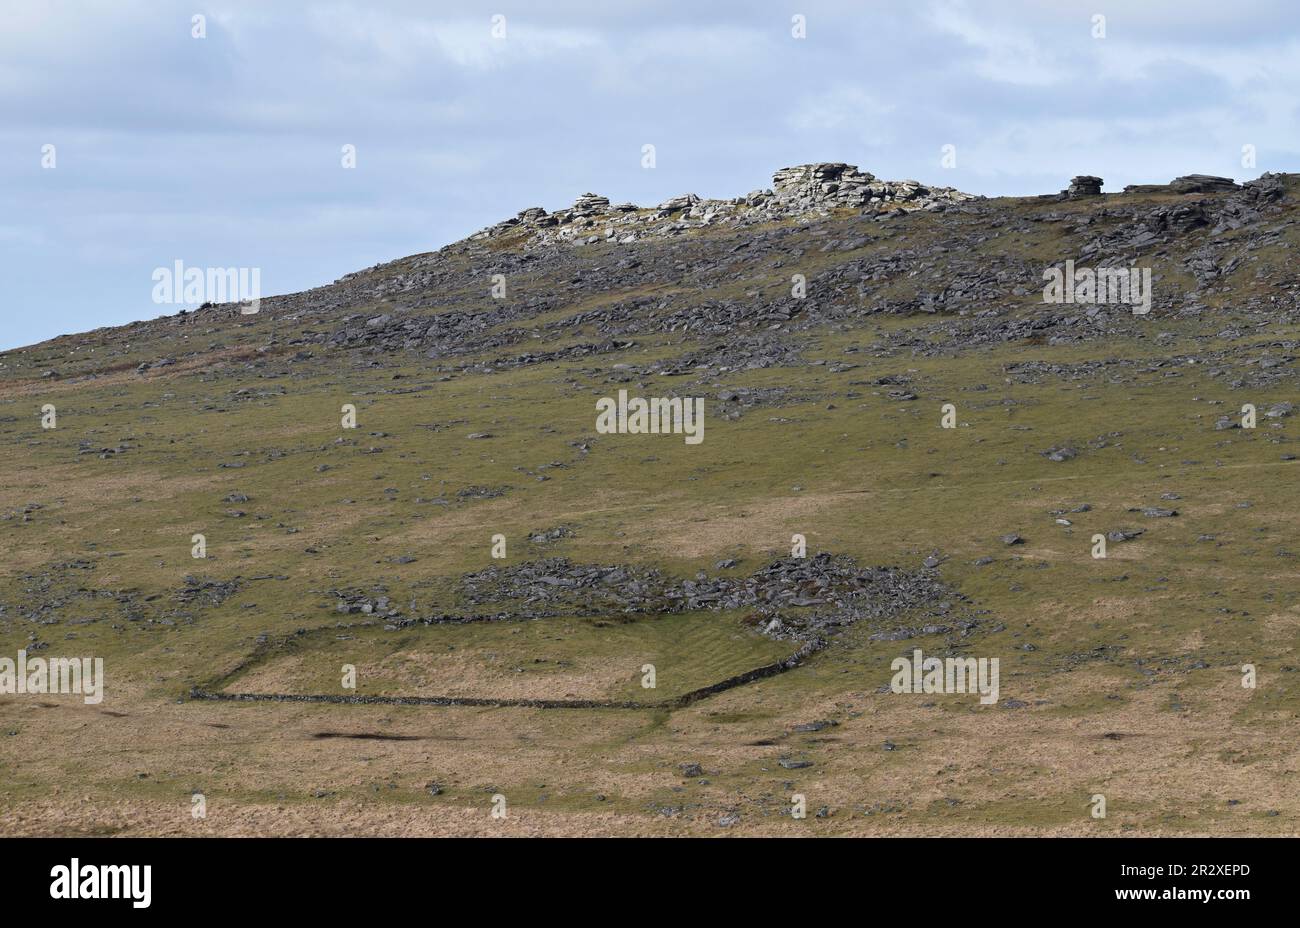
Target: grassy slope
x=1130, y=665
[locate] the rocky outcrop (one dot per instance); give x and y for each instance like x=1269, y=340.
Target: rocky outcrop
x=834, y=185
x=1246, y=205
x=1085, y=185
x=1202, y=183
x=806, y=190
x=1188, y=183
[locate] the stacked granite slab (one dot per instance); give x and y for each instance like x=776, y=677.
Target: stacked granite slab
x=1188, y=183
x=1085, y=185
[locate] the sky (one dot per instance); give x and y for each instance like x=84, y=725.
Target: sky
x=227, y=150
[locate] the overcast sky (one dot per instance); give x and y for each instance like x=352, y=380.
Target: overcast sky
x=226, y=151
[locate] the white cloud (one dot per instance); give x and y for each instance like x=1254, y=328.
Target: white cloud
x=1009, y=54
x=396, y=42
x=843, y=107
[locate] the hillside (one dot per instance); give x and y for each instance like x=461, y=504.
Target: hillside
x=879, y=373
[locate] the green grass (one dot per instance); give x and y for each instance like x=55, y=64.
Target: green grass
x=543, y=659
x=872, y=478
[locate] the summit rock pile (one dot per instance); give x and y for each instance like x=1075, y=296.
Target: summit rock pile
x=1085, y=185
x=814, y=187
x=803, y=191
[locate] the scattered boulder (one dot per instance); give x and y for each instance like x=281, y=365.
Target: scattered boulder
x=1122, y=534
